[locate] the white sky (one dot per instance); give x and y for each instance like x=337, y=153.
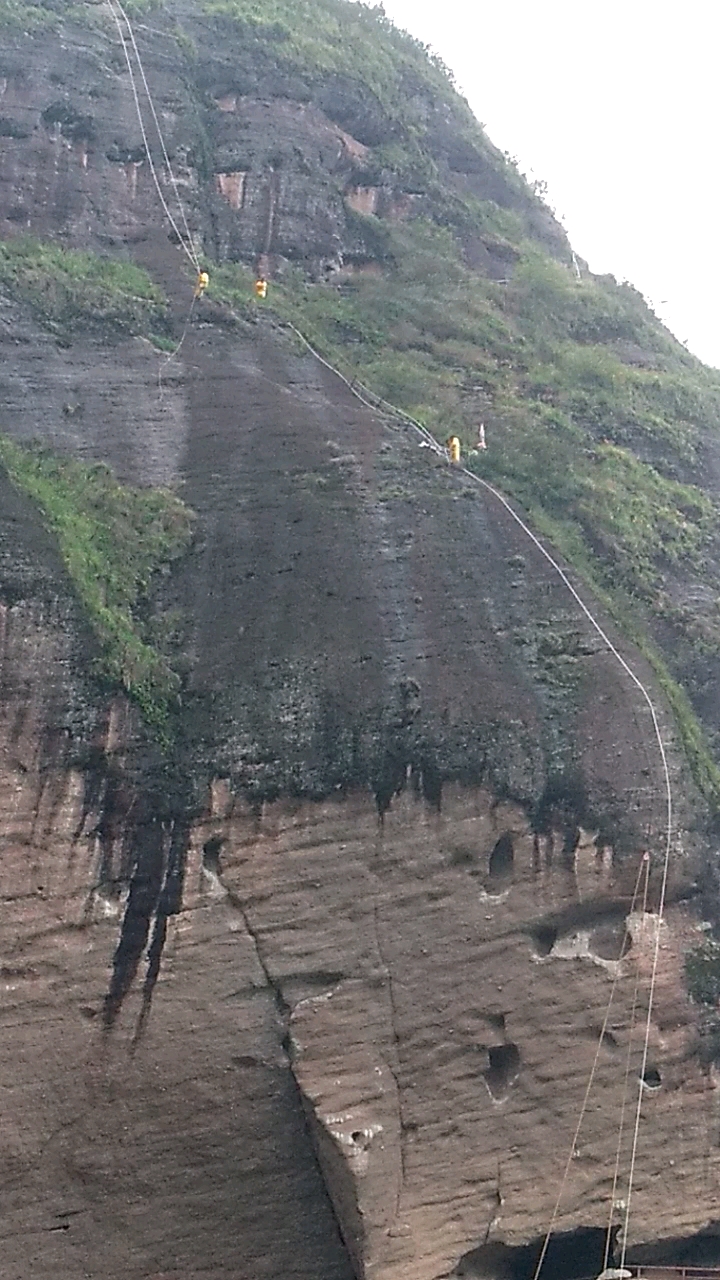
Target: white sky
x=615, y=104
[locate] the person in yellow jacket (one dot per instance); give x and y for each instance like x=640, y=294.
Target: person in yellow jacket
x=201, y=283
x=453, y=445
x=261, y=287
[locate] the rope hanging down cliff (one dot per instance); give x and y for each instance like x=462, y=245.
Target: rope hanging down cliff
x=189, y=249
x=186, y=242
x=184, y=238
x=643, y=872
x=626, y=1081
x=371, y=401
x=429, y=441
x=667, y=851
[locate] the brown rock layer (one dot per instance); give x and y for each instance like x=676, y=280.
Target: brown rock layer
x=319, y=995
x=415, y=999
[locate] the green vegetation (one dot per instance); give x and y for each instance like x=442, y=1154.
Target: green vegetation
x=376, y=81
x=702, y=973
x=72, y=292
x=17, y=15
x=633, y=621
x=366, y=74
x=595, y=415
x=47, y=15
x=113, y=540
x=318, y=38
x=161, y=343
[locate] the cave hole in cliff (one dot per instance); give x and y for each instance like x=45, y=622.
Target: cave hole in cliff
x=580, y=1253
x=72, y=124
x=544, y=937
x=609, y=1041
x=651, y=1079
x=502, y=1070
x=564, y=806
x=462, y=855
x=123, y=153
x=500, y=866
x=602, y=922
x=570, y=1255
x=211, y=854
x=496, y=1020
x=701, y=1250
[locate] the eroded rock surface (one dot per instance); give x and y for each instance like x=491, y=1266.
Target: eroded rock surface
x=264, y=161
x=388, y=995
x=375, y=1009
x=318, y=996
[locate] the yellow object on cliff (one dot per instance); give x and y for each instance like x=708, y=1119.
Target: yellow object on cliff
x=202, y=283
x=261, y=288
x=453, y=445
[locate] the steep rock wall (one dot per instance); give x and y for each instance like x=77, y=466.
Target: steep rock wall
x=263, y=164
x=320, y=995
x=382, y=1024
x=418, y=1001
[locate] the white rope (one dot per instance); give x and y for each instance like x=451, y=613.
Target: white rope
x=588, y=1090
x=626, y=1082
x=173, y=180
x=551, y=561
x=606, y=640
x=369, y=398
x=146, y=143
x=643, y=1067
x=663, y=758
x=669, y=819
x=172, y=355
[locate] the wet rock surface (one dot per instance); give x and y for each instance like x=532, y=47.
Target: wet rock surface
x=373, y=1008
x=316, y=993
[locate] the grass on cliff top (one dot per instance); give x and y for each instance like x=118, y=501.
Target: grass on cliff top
x=24, y=16
x=366, y=74
x=371, y=77
x=113, y=540
x=594, y=414
x=32, y=16
x=332, y=36
x=71, y=291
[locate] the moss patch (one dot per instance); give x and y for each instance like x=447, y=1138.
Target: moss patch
x=72, y=292
x=47, y=15
x=113, y=540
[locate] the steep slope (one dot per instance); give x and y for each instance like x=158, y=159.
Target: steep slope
x=310, y=980
x=328, y=144
x=392, y=970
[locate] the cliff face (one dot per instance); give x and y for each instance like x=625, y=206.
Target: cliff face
x=314, y=988
x=267, y=147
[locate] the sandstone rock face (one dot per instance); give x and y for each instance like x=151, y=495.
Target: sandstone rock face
x=258, y=171
x=92, y=1131
x=320, y=997
x=429, y=1019
x=357, y=1043
x=405, y=999
x=97, y=401
x=77, y=161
